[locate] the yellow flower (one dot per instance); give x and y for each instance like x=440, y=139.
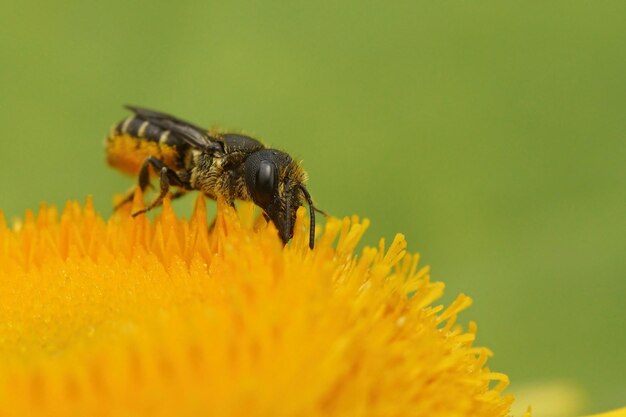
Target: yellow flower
x=616, y=413
x=128, y=317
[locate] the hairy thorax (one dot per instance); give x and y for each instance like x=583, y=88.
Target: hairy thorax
x=217, y=176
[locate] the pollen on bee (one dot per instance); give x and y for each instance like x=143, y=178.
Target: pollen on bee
x=128, y=153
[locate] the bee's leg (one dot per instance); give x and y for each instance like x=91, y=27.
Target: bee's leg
x=178, y=194
x=168, y=177
x=125, y=200
x=144, y=180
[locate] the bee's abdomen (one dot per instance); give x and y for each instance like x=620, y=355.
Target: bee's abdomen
x=133, y=140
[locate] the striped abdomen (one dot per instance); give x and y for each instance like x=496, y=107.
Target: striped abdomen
x=133, y=140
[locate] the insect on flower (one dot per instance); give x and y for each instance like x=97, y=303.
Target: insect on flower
x=227, y=165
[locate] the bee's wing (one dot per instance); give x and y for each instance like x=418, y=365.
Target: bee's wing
x=193, y=135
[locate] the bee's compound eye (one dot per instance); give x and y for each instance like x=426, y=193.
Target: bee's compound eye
x=266, y=182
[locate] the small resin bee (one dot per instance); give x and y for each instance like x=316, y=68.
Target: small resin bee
x=227, y=165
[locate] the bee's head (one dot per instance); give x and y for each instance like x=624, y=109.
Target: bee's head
x=276, y=184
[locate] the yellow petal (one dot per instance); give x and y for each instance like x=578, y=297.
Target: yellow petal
x=127, y=316
x=615, y=413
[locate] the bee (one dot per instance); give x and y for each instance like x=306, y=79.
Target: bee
x=231, y=166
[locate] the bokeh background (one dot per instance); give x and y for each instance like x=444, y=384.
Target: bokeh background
x=493, y=134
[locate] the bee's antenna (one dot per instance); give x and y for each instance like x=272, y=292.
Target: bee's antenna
x=312, y=216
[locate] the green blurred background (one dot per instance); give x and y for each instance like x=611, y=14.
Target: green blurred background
x=493, y=134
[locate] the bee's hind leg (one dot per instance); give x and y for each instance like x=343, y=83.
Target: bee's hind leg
x=168, y=177
x=144, y=180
